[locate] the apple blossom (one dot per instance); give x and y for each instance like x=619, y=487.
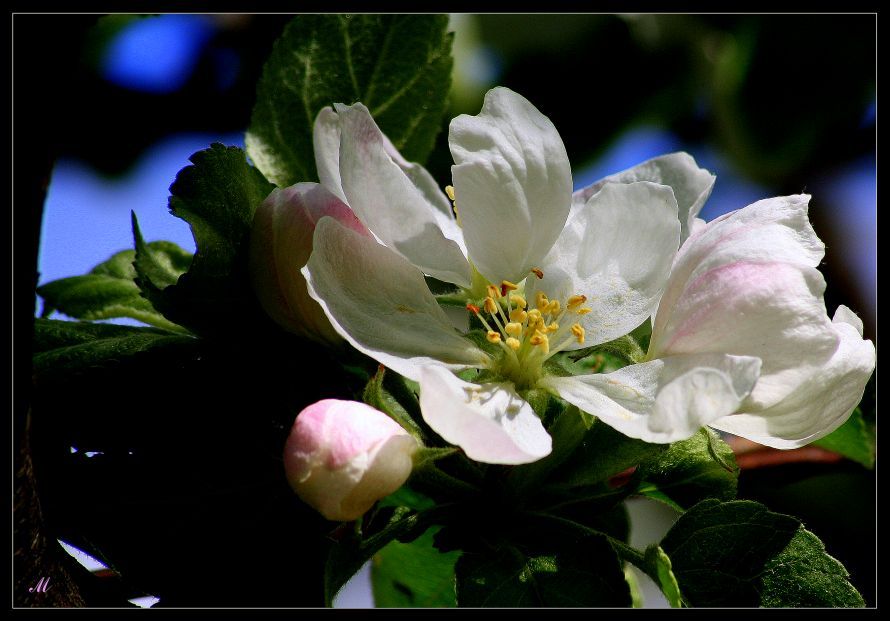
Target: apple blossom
x=343, y=456
x=543, y=276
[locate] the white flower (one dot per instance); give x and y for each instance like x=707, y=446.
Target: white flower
x=551, y=271
x=343, y=456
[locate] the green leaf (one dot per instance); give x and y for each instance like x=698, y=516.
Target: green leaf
x=66, y=346
x=855, y=439
x=347, y=557
x=109, y=290
x=399, y=66
x=660, y=566
x=217, y=195
x=701, y=467
x=413, y=575
x=585, y=572
x=739, y=553
x=602, y=454
x=379, y=395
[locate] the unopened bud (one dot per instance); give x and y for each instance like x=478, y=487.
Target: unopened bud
x=280, y=245
x=343, y=456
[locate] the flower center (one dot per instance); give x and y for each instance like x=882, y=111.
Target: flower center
x=528, y=334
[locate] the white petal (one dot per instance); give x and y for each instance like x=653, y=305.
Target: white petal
x=390, y=204
x=381, y=304
x=664, y=400
x=617, y=251
x=490, y=422
x=512, y=184
x=819, y=404
x=743, y=285
x=326, y=146
x=691, y=185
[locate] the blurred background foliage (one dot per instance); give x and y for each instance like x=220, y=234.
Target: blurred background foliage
x=775, y=104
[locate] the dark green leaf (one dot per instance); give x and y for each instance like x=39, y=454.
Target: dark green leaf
x=586, y=572
x=346, y=557
x=379, y=395
x=602, y=454
x=739, y=553
x=399, y=66
x=65, y=346
x=217, y=196
x=109, y=289
x=412, y=575
x=854, y=439
x=701, y=467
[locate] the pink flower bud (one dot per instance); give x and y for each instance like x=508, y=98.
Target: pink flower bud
x=280, y=245
x=343, y=456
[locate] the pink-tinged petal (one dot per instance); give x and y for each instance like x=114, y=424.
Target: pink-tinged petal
x=343, y=456
x=691, y=185
x=746, y=284
x=663, y=400
x=381, y=304
x=512, y=184
x=490, y=422
x=820, y=403
x=617, y=251
x=394, y=205
x=280, y=244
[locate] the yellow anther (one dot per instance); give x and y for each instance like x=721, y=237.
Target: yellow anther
x=540, y=340
x=513, y=344
x=449, y=190
x=541, y=301
x=518, y=301
x=493, y=292
x=583, y=311
x=518, y=315
x=578, y=331
x=575, y=301
x=490, y=306
x=506, y=285
x=513, y=328
x=538, y=272
x=534, y=316
x=493, y=337
x=553, y=307
x=553, y=327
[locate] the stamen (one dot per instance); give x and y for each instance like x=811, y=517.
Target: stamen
x=534, y=316
x=513, y=328
x=493, y=337
x=493, y=292
x=553, y=327
x=449, y=190
x=541, y=301
x=518, y=315
x=575, y=301
x=491, y=307
x=541, y=340
x=578, y=331
x=553, y=307
x=537, y=272
x=513, y=343
x=583, y=311
x=473, y=308
x=518, y=301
